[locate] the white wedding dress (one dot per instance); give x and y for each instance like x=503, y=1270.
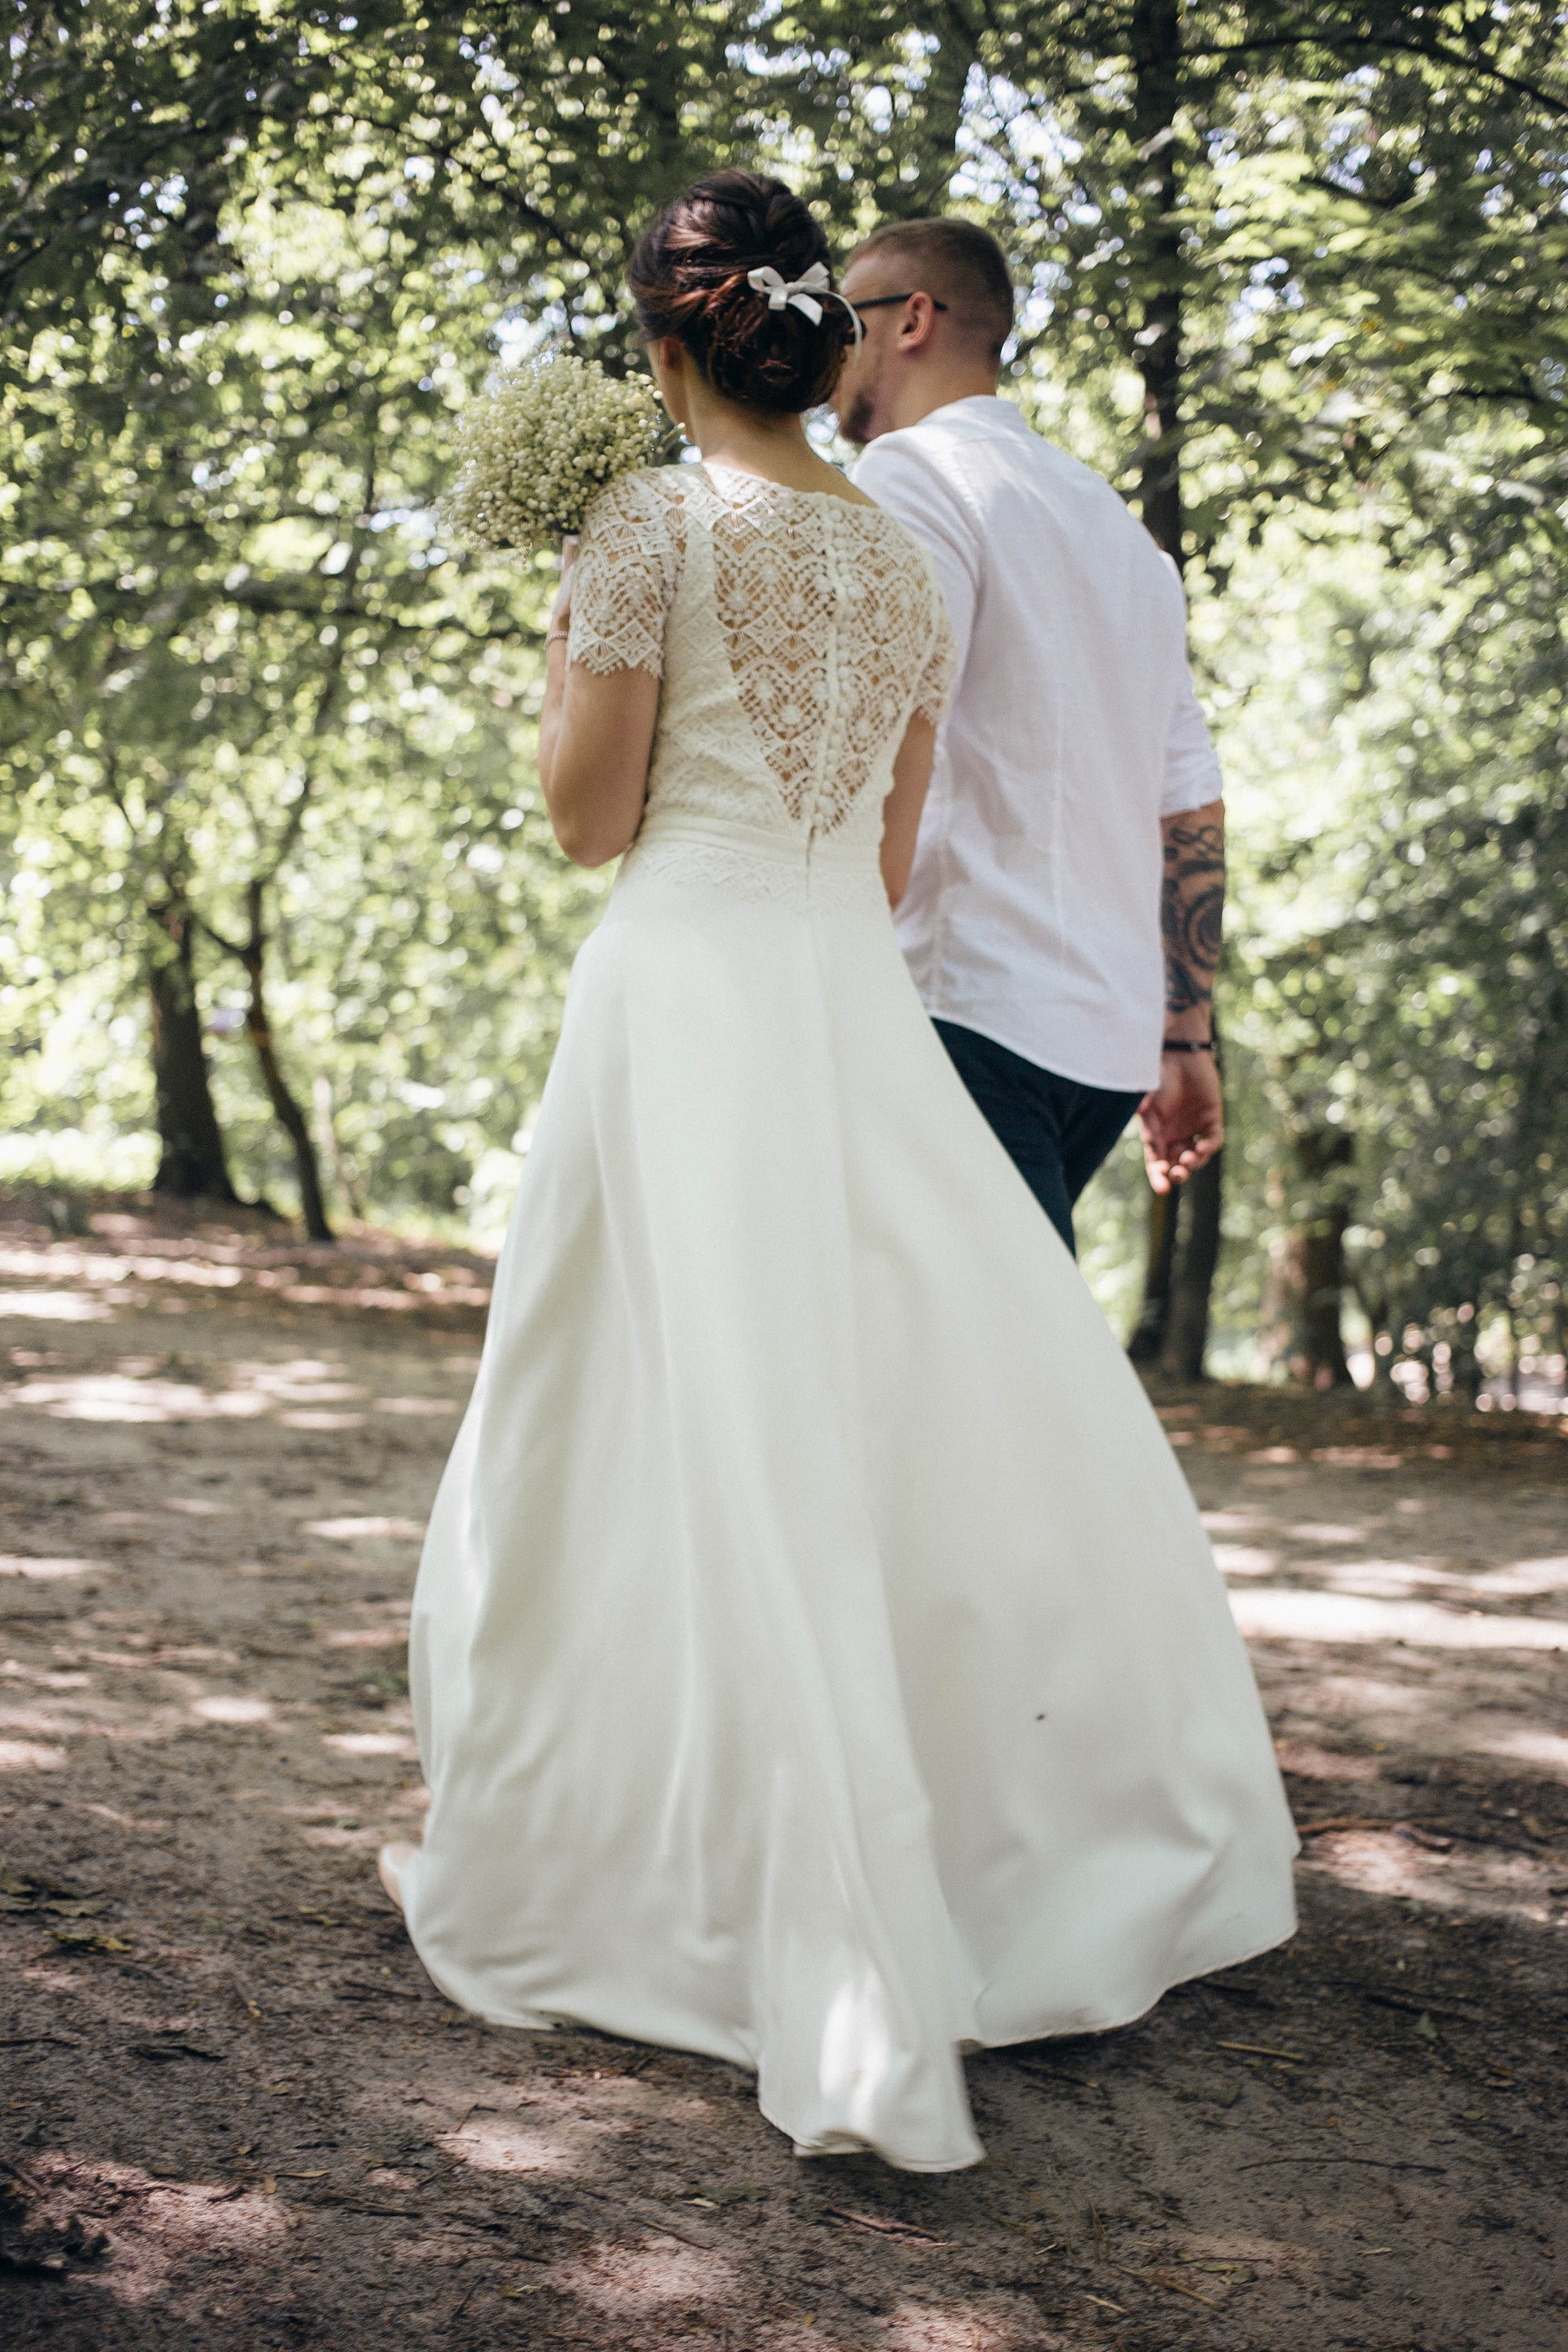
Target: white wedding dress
x=816, y=1657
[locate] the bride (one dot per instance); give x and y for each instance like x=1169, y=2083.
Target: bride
x=816, y=1656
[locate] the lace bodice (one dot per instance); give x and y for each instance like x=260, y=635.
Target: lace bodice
x=795, y=633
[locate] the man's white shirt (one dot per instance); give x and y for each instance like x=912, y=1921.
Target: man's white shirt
x=1033, y=909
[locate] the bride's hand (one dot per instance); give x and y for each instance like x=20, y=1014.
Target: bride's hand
x=561, y=611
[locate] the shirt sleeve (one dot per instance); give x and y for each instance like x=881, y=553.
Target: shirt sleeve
x=1191, y=776
x=911, y=488
x=623, y=583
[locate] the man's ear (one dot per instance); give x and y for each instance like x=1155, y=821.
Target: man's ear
x=918, y=325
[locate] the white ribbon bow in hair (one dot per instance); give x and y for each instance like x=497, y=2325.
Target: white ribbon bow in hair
x=802, y=293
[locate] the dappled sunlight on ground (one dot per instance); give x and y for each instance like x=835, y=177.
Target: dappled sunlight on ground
x=228, y=1709
x=352, y=1530
x=1353, y=1617
x=29, y=1756
x=912, y=2329
x=632, y=2282
x=1380, y=1862
x=53, y=1306
x=155, y=2225
x=540, y=2131
x=45, y=1570
x=369, y=1743
x=132, y=1396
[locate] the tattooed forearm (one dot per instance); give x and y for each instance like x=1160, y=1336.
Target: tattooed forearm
x=1191, y=906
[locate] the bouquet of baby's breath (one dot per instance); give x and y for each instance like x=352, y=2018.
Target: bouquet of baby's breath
x=538, y=444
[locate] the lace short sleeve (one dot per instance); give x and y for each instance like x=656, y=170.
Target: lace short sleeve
x=936, y=679
x=624, y=580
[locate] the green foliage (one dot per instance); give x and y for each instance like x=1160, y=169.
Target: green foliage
x=1404, y=917
x=235, y=655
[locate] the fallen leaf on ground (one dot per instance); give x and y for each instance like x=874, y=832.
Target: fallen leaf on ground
x=1170, y=2286
x=885, y=2229
x=1438, y=1842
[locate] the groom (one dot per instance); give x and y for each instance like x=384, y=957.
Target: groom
x=1062, y=920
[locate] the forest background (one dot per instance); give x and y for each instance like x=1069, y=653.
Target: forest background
x=282, y=916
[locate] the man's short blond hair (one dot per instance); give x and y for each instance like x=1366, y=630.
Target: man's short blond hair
x=954, y=262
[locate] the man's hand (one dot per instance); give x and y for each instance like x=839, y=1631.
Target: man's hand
x=1180, y=1120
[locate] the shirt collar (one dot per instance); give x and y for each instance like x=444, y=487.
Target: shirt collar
x=985, y=409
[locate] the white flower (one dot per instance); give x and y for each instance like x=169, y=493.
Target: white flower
x=539, y=445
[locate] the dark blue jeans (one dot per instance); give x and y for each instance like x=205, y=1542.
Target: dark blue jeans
x=1055, y=1130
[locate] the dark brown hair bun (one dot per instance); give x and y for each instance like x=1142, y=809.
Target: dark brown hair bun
x=689, y=278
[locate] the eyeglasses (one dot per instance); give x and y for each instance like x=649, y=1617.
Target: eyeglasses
x=881, y=301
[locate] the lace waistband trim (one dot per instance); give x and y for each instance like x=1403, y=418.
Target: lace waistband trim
x=794, y=843
x=755, y=863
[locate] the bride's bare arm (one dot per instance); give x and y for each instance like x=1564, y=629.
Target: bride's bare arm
x=596, y=740
x=902, y=809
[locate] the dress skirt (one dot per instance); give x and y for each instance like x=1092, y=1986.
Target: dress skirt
x=818, y=1659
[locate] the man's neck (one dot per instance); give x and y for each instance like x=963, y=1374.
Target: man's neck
x=921, y=394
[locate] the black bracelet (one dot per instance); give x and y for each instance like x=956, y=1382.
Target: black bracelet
x=1187, y=1046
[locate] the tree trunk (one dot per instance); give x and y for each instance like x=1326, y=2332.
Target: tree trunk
x=192, y=1165
x=1148, y=1338
x=1378, y=1308
x=1172, y=1329
x=1157, y=43
x=252, y=952
x=289, y=1116
x=1312, y=1265
x=1187, y=1316
x=330, y=1142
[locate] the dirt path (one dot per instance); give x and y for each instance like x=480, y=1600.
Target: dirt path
x=233, y=2113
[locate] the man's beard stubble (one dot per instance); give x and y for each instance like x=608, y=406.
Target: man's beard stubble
x=856, y=426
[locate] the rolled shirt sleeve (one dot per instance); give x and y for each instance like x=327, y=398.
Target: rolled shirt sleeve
x=1191, y=776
